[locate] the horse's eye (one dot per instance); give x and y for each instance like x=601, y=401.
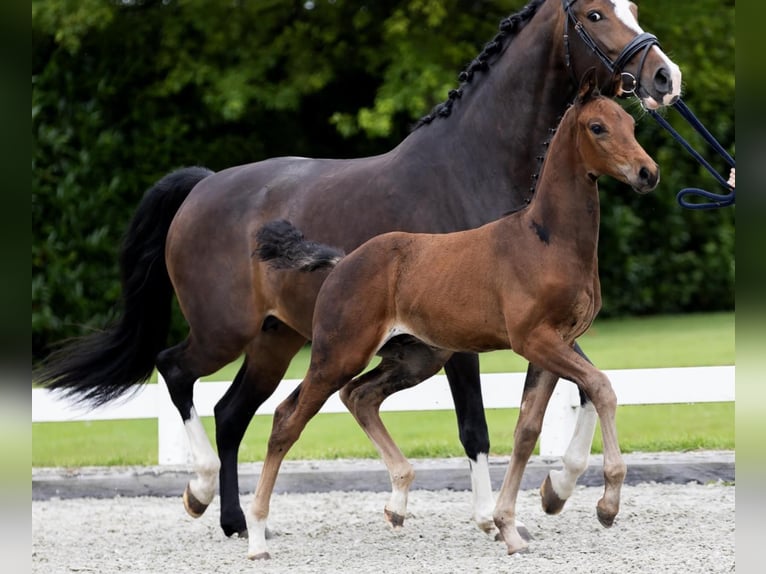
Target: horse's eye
x=597, y=129
x=594, y=16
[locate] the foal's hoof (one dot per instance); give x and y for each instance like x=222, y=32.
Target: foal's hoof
x=552, y=504
x=395, y=519
x=260, y=556
x=605, y=518
x=193, y=507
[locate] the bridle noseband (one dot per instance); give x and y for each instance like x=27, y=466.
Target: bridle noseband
x=641, y=42
x=644, y=42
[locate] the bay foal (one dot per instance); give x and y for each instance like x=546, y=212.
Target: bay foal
x=528, y=281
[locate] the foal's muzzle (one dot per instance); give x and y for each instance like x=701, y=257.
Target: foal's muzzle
x=646, y=178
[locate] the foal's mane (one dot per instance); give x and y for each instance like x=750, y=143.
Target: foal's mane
x=509, y=28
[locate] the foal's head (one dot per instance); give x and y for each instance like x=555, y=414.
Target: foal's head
x=606, y=143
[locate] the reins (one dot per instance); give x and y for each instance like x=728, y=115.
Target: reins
x=712, y=200
x=644, y=42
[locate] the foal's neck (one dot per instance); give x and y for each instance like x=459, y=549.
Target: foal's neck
x=566, y=202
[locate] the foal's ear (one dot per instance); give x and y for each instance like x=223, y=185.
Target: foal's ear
x=588, y=86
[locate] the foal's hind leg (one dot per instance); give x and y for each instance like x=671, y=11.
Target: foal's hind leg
x=462, y=371
x=290, y=418
x=538, y=388
x=267, y=358
x=559, y=484
x=403, y=366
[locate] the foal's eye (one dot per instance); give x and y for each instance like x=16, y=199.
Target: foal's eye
x=597, y=129
x=594, y=16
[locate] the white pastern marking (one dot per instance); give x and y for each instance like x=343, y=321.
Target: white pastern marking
x=256, y=542
x=398, y=501
x=206, y=463
x=483, y=501
x=576, y=457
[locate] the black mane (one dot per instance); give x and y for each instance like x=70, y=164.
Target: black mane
x=509, y=27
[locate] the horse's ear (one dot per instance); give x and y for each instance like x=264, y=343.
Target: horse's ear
x=588, y=86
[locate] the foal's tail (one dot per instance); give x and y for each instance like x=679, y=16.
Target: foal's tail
x=105, y=365
x=280, y=243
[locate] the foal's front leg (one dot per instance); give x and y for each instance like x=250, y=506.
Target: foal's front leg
x=538, y=388
x=559, y=484
x=548, y=349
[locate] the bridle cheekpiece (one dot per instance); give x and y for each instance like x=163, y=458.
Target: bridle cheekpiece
x=643, y=41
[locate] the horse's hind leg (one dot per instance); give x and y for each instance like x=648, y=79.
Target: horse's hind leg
x=403, y=366
x=267, y=359
x=538, y=388
x=181, y=366
x=559, y=484
x=462, y=371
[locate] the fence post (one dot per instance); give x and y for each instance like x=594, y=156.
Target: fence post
x=171, y=434
x=559, y=421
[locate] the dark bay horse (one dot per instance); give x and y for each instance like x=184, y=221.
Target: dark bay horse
x=468, y=162
x=528, y=282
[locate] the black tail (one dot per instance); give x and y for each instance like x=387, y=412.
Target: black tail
x=285, y=247
x=105, y=365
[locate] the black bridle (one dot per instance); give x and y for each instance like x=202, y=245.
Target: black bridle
x=644, y=42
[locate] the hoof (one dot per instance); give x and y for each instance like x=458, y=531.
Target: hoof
x=487, y=526
x=605, y=518
x=552, y=504
x=230, y=533
x=394, y=519
x=193, y=507
x=260, y=556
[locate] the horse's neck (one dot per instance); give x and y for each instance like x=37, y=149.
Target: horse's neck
x=566, y=202
x=498, y=127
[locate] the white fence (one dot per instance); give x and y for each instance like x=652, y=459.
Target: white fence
x=501, y=390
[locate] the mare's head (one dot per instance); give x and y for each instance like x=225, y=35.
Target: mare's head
x=605, y=140
x=606, y=33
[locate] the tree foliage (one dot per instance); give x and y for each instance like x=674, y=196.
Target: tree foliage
x=124, y=91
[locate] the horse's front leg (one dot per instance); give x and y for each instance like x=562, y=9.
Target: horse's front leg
x=538, y=388
x=462, y=371
x=267, y=357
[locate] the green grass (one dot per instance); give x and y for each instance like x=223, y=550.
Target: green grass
x=689, y=340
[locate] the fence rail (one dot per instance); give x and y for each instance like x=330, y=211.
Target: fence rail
x=500, y=390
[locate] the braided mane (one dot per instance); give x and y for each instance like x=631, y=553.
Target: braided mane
x=509, y=28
